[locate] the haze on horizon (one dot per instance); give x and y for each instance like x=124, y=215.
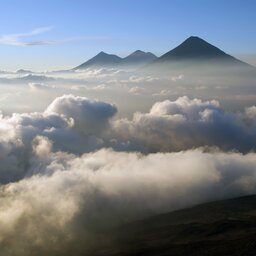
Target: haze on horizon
x=97, y=141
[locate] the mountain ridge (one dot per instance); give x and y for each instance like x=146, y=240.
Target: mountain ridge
x=103, y=59
x=193, y=50
x=139, y=56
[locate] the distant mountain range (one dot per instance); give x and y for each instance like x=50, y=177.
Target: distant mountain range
x=192, y=50
x=102, y=59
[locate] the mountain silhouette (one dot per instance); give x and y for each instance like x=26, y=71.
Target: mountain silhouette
x=197, y=50
x=193, y=50
x=102, y=59
x=139, y=57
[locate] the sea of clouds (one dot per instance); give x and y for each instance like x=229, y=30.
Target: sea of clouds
x=78, y=166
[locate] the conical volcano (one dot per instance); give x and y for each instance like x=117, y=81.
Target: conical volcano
x=102, y=59
x=195, y=49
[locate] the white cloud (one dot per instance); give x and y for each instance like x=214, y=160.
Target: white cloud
x=18, y=39
x=137, y=90
x=184, y=124
x=251, y=112
x=77, y=125
x=89, y=116
x=57, y=188
x=183, y=106
x=24, y=39
x=177, y=78
x=72, y=196
x=34, y=87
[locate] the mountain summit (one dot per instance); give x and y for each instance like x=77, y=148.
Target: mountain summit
x=102, y=59
x=139, y=57
x=195, y=49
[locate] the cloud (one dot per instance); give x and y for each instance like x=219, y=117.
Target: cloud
x=73, y=199
x=20, y=38
x=27, y=78
x=17, y=39
x=78, y=125
x=34, y=87
x=191, y=109
x=73, y=124
x=66, y=175
x=177, y=78
x=185, y=124
x=89, y=116
x=141, y=79
x=251, y=113
x=137, y=90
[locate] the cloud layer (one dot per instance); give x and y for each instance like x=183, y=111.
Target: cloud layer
x=73, y=198
x=185, y=124
x=77, y=125
x=75, y=169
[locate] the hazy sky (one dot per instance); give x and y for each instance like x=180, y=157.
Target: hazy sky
x=61, y=34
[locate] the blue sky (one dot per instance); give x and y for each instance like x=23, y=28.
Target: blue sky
x=52, y=34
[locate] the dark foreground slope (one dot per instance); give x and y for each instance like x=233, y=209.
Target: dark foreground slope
x=220, y=228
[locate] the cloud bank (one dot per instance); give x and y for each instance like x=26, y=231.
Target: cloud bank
x=72, y=199
x=184, y=124
x=78, y=125
x=74, y=170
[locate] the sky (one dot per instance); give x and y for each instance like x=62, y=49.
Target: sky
x=45, y=35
